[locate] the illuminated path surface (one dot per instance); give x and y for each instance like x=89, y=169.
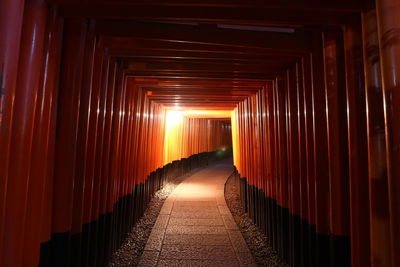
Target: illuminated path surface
x=195, y=226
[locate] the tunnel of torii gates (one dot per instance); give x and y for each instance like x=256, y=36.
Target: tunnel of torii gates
x=102, y=102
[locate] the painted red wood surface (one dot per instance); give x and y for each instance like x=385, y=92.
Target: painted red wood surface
x=22, y=137
x=86, y=87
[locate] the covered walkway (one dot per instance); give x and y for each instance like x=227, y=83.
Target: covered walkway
x=104, y=102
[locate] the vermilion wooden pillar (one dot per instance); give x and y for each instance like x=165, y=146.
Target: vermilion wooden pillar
x=105, y=207
x=125, y=148
x=265, y=121
x=66, y=137
x=357, y=133
x=29, y=67
x=106, y=182
x=322, y=192
x=50, y=81
x=94, y=85
x=11, y=17
x=81, y=158
x=271, y=107
x=96, y=216
x=91, y=82
x=304, y=220
x=137, y=116
x=335, y=95
x=283, y=171
x=138, y=139
x=115, y=154
x=388, y=21
x=377, y=244
x=309, y=154
x=40, y=183
x=288, y=186
x=294, y=163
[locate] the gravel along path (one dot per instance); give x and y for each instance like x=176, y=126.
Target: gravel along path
x=131, y=250
x=257, y=242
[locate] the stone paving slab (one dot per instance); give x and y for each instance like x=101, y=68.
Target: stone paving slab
x=238, y=242
x=195, y=215
x=196, y=228
x=229, y=222
x=155, y=240
x=221, y=200
x=162, y=221
x=201, y=221
x=149, y=258
x=246, y=259
x=197, y=252
x=195, y=209
x=178, y=203
x=198, y=263
x=224, y=210
x=197, y=239
x=196, y=199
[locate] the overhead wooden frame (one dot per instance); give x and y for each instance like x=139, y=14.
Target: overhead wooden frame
x=239, y=10
x=216, y=67
x=208, y=94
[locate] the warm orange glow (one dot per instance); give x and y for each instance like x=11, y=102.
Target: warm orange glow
x=173, y=135
x=193, y=191
x=235, y=137
x=189, y=132
x=174, y=118
x=207, y=113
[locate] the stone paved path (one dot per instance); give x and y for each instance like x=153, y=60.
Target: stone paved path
x=195, y=226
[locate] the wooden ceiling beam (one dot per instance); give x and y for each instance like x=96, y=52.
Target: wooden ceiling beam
x=297, y=41
x=101, y=6
x=198, y=93
x=213, y=67
x=205, y=75
x=137, y=44
x=176, y=83
x=162, y=56
x=205, y=96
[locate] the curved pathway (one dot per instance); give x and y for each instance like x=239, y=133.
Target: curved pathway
x=195, y=226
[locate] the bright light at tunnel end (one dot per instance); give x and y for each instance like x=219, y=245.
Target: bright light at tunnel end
x=173, y=117
x=201, y=113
